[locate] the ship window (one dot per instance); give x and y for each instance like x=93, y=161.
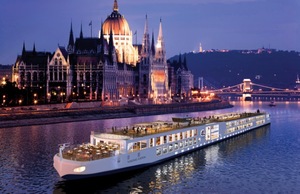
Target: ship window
x=158, y=151
x=195, y=140
x=176, y=146
x=170, y=138
x=170, y=147
x=202, y=132
x=180, y=144
x=186, y=143
x=165, y=149
x=157, y=141
x=183, y=135
x=152, y=142
x=188, y=134
x=191, y=141
x=143, y=144
x=195, y=132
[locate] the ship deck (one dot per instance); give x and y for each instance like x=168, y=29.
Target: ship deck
x=88, y=152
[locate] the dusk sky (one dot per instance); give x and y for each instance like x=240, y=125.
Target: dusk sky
x=217, y=24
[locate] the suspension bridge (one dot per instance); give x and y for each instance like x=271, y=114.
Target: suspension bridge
x=247, y=90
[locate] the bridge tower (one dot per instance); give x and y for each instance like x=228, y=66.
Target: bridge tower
x=247, y=89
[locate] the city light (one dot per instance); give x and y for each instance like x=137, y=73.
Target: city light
x=3, y=103
x=3, y=81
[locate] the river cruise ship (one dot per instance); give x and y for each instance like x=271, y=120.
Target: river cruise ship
x=145, y=144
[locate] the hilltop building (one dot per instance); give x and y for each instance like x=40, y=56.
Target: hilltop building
x=108, y=68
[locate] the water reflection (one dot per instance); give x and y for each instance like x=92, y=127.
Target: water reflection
x=179, y=171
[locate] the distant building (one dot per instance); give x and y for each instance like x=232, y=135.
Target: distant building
x=106, y=68
x=200, y=48
x=184, y=79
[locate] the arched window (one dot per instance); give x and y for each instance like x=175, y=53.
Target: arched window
x=35, y=76
x=60, y=75
x=51, y=75
x=28, y=76
x=65, y=76
x=41, y=76
x=94, y=77
x=87, y=76
x=81, y=77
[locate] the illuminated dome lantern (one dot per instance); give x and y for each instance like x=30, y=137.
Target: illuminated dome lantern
x=122, y=35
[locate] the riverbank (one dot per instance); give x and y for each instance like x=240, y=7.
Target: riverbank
x=14, y=118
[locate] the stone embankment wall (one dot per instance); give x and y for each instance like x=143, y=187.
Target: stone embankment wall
x=52, y=114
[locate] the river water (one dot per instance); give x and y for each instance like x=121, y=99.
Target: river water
x=266, y=160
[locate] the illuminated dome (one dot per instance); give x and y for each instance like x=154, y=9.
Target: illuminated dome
x=116, y=22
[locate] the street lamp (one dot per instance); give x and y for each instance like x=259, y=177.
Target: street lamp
x=3, y=97
x=35, y=98
x=3, y=81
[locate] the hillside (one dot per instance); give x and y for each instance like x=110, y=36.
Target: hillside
x=276, y=68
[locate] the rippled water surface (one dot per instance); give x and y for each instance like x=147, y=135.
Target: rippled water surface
x=266, y=160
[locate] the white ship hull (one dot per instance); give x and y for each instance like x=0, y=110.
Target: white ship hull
x=127, y=158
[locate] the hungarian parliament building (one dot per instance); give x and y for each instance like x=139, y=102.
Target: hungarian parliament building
x=108, y=68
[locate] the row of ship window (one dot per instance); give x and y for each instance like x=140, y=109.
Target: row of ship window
x=232, y=123
x=173, y=147
x=232, y=129
x=161, y=140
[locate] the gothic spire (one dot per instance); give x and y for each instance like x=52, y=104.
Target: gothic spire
x=116, y=7
x=111, y=45
x=71, y=44
x=160, y=46
x=146, y=39
x=160, y=33
x=146, y=25
x=33, y=50
x=102, y=40
x=23, y=49
x=71, y=37
x=153, y=45
x=81, y=34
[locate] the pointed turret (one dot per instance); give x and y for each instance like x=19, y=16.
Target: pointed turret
x=153, y=45
x=146, y=40
x=33, y=50
x=160, y=32
x=81, y=34
x=160, y=46
x=71, y=41
x=146, y=25
x=23, y=49
x=116, y=7
x=102, y=40
x=111, y=46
